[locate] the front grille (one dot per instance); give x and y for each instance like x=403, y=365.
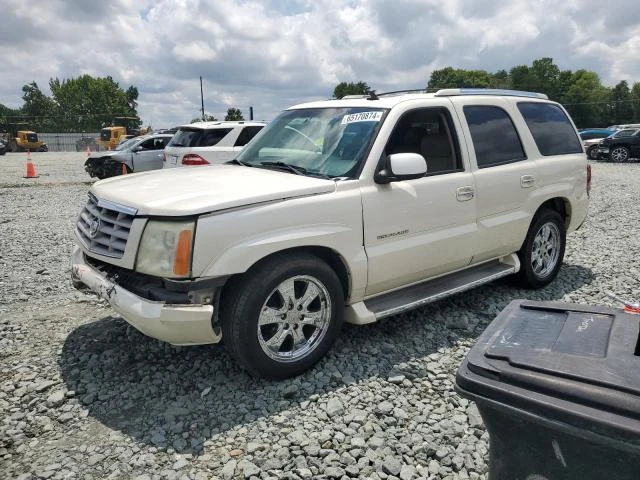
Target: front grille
x=104, y=227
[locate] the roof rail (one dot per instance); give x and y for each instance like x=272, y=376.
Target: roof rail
x=451, y=92
x=351, y=97
x=399, y=92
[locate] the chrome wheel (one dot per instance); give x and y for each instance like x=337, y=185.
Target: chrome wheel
x=619, y=154
x=294, y=319
x=546, y=250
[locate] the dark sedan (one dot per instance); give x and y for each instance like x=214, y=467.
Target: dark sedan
x=622, y=146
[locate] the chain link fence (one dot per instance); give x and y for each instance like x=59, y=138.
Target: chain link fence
x=70, y=142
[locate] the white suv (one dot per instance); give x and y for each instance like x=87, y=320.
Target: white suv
x=341, y=210
x=205, y=143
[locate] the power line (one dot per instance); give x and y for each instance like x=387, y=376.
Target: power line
x=609, y=102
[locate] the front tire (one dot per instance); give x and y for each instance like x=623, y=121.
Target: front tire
x=282, y=316
x=542, y=253
x=592, y=152
x=619, y=154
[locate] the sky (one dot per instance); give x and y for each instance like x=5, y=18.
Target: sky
x=272, y=54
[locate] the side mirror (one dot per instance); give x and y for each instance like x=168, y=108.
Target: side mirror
x=138, y=148
x=402, y=166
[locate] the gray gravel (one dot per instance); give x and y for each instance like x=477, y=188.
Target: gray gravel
x=82, y=395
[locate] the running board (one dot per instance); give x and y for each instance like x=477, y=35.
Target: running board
x=426, y=292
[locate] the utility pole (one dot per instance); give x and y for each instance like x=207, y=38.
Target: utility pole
x=201, y=98
x=250, y=113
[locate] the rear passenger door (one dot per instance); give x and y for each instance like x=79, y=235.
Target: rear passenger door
x=505, y=176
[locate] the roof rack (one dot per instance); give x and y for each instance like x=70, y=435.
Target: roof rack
x=399, y=92
x=451, y=92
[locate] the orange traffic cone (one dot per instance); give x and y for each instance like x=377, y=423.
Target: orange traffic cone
x=31, y=170
x=88, y=152
x=124, y=169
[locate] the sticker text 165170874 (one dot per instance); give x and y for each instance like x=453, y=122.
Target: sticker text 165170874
x=362, y=117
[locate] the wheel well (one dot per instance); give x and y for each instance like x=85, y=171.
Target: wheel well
x=329, y=256
x=560, y=205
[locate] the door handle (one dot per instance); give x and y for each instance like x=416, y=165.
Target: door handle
x=464, y=193
x=527, y=181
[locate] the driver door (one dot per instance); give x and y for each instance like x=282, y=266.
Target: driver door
x=149, y=157
x=421, y=228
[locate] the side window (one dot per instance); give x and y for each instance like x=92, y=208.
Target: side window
x=159, y=143
x=148, y=144
x=213, y=136
x=551, y=128
x=247, y=134
x=429, y=132
x=495, y=138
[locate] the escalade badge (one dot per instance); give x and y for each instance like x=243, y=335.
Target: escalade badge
x=94, y=226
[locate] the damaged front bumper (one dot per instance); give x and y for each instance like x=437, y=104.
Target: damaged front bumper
x=178, y=324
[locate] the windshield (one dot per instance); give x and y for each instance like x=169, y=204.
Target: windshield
x=328, y=142
x=126, y=145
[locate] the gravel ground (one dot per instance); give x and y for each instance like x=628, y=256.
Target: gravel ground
x=82, y=395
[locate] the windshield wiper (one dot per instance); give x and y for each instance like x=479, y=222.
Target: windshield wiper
x=238, y=162
x=286, y=166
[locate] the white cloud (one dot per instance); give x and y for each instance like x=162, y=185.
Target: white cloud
x=274, y=53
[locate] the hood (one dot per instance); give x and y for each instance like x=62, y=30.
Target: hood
x=108, y=153
x=195, y=190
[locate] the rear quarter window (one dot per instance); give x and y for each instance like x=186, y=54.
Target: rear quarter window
x=551, y=128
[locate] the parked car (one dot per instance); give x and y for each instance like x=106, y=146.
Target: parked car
x=3, y=147
x=621, y=146
x=591, y=139
x=136, y=154
x=354, y=209
x=205, y=143
x=86, y=142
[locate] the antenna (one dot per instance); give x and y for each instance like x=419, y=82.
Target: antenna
x=201, y=98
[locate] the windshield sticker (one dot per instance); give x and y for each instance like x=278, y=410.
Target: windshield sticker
x=361, y=117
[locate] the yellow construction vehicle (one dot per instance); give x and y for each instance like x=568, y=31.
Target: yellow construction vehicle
x=20, y=139
x=121, y=128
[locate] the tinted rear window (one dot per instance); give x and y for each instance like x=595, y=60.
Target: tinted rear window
x=198, y=137
x=247, y=134
x=495, y=139
x=551, y=128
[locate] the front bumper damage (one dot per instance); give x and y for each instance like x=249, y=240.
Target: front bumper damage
x=175, y=323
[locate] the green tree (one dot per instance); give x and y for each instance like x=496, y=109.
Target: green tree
x=233, y=114
x=522, y=78
x=206, y=118
x=585, y=99
x=635, y=102
x=88, y=103
x=500, y=79
x=449, y=77
x=38, y=109
x=547, y=76
x=621, y=104
x=344, y=88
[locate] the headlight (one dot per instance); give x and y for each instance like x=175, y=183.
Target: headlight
x=165, y=249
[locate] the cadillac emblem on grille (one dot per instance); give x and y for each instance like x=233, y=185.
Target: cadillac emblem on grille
x=94, y=227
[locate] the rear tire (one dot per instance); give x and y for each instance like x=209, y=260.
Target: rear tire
x=542, y=253
x=619, y=154
x=283, y=315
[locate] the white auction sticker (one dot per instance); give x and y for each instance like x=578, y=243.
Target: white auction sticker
x=362, y=117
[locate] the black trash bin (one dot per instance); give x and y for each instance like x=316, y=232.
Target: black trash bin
x=558, y=388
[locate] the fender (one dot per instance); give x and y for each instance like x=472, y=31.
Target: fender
x=340, y=239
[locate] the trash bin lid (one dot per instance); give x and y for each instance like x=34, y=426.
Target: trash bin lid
x=572, y=363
